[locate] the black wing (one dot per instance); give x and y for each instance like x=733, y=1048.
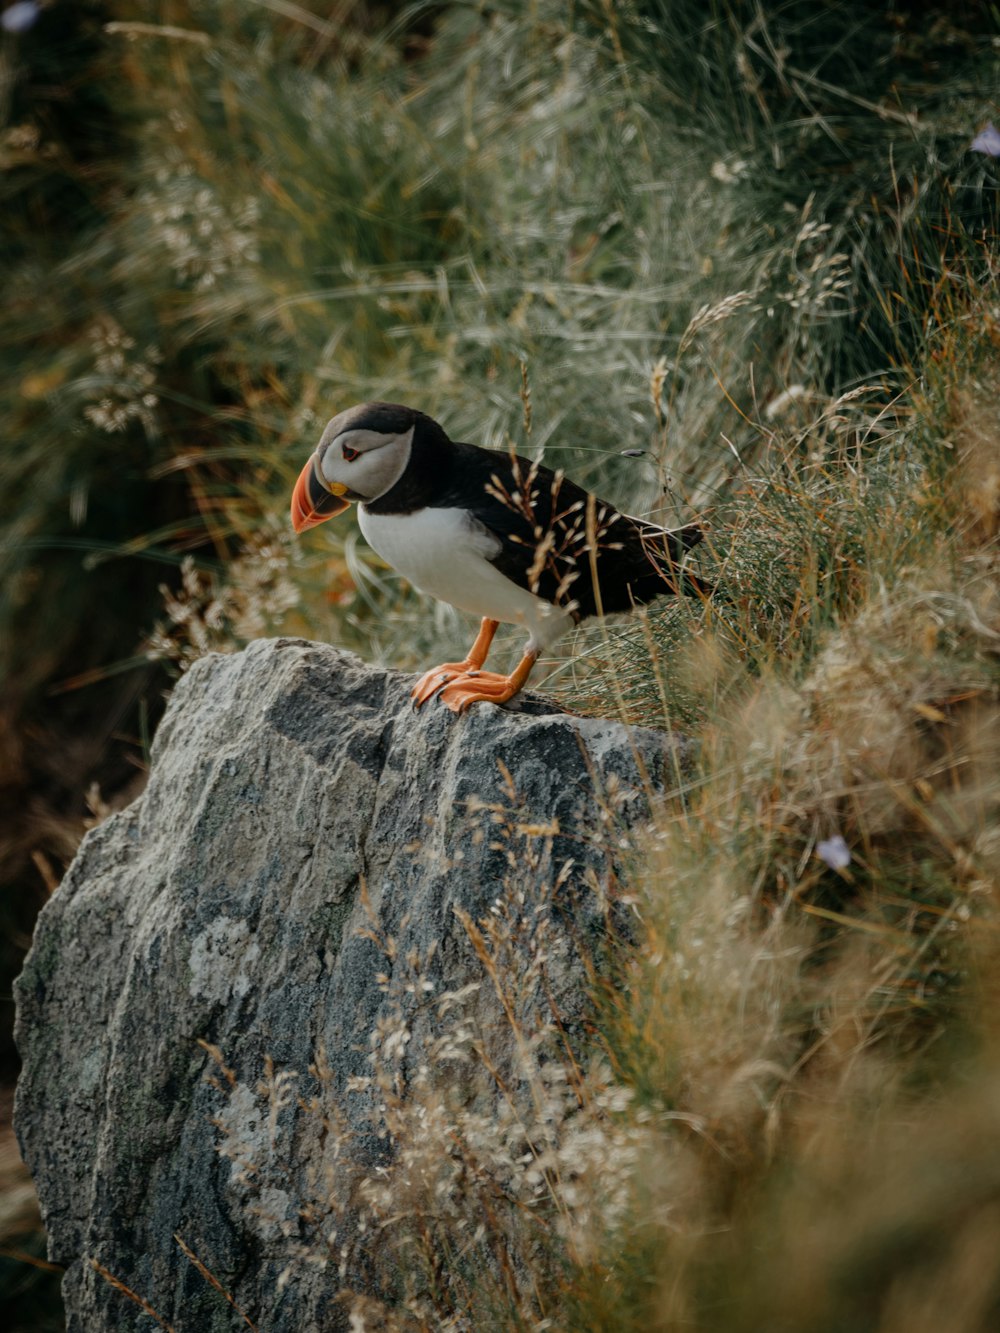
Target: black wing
x=563, y=543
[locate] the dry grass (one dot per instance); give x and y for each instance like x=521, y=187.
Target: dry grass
x=788, y=1116
x=736, y=260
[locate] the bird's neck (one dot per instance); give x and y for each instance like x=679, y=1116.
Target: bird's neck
x=427, y=472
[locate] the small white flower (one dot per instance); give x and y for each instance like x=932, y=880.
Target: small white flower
x=20, y=17
x=986, y=141
x=835, y=852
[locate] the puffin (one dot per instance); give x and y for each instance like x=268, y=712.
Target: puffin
x=492, y=533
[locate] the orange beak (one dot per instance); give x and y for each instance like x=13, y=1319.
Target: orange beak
x=313, y=501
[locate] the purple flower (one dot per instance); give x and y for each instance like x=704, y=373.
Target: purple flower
x=986, y=141
x=20, y=17
x=835, y=852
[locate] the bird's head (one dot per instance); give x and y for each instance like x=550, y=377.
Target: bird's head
x=361, y=455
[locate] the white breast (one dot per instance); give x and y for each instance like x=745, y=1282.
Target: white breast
x=446, y=552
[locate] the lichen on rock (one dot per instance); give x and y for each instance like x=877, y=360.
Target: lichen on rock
x=327, y=917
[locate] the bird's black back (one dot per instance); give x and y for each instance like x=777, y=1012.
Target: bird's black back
x=556, y=539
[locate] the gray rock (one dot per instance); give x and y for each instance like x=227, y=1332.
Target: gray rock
x=285, y=887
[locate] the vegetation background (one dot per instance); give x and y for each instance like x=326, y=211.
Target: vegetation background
x=732, y=257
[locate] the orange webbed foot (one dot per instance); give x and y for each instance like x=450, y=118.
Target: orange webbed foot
x=436, y=679
x=486, y=686
x=477, y=687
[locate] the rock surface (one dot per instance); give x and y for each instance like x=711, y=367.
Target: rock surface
x=287, y=882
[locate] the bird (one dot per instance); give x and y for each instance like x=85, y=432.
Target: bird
x=491, y=533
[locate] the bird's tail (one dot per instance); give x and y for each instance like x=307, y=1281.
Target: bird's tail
x=665, y=548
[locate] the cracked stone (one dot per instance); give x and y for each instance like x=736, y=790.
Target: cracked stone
x=295, y=798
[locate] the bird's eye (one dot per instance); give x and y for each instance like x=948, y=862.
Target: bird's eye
x=349, y=453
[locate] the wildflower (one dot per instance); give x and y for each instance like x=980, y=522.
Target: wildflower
x=20, y=17
x=209, y=616
x=121, y=388
x=986, y=141
x=727, y=173
x=835, y=852
x=205, y=238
